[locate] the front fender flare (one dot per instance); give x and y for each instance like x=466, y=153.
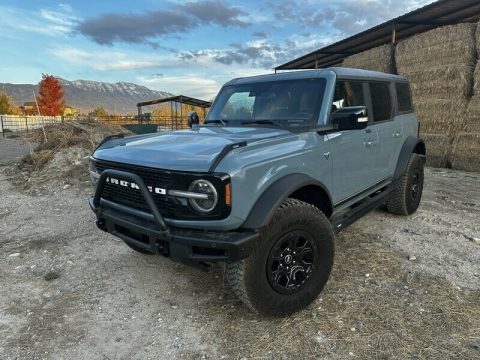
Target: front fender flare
x=262, y=212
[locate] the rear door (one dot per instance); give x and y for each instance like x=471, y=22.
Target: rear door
x=389, y=130
x=352, y=151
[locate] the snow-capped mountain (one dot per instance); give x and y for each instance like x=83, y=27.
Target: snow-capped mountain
x=87, y=95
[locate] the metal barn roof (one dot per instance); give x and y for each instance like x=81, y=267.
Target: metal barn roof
x=440, y=13
x=181, y=99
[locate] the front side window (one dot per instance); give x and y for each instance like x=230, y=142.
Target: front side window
x=348, y=93
x=289, y=103
x=381, y=101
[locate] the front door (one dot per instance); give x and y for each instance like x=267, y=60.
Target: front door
x=353, y=152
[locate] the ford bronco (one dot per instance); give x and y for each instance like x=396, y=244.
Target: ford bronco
x=282, y=163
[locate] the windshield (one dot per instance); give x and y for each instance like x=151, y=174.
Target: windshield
x=290, y=103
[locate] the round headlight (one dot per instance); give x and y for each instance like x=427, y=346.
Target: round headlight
x=207, y=204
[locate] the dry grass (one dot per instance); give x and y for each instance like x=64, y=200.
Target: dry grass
x=56, y=137
x=438, y=116
x=438, y=149
x=466, y=152
x=376, y=59
x=371, y=309
x=63, y=158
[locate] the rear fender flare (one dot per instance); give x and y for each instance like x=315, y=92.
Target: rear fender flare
x=410, y=146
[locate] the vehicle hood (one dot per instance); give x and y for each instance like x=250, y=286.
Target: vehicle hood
x=185, y=150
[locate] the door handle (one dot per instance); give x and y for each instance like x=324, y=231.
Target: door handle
x=370, y=143
x=396, y=135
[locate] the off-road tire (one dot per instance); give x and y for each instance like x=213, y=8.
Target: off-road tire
x=137, y=249
x=248, y=278
x=402, y=201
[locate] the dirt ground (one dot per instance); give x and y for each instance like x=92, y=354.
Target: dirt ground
x=401, y=287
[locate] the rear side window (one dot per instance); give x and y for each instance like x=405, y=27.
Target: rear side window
x=404, y=97
x=381, y=101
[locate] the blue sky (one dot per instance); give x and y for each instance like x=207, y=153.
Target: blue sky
x=188, y=47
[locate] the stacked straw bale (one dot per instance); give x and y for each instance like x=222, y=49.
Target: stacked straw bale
x=440, y=65
x=440, y=116
x=376, y=59
x=466, y=147
x=472, y=121
x=438, y=147
x=466, y=152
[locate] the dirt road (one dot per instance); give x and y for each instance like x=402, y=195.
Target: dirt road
x=401, y=288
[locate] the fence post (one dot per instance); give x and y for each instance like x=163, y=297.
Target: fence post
x=1, y=123
x=26, y=123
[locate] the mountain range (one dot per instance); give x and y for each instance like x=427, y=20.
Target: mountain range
x=86, y=95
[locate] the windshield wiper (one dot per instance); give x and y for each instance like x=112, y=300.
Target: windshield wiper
x=223, y=122
x=263, y=122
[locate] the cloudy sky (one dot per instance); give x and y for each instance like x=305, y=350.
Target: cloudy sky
x=188, y=47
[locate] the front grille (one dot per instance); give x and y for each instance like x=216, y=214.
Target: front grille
x=132, y=197
x=168, y=206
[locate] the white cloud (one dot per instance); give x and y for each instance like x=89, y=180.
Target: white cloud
x=106, y=60
x=52, y=22
x=189, y=85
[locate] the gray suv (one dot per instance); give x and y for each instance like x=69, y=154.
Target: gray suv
x=282, y=163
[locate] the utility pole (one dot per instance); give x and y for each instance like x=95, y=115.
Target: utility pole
x=36, y=102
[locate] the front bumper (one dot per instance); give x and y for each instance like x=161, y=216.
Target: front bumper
x=148, y=230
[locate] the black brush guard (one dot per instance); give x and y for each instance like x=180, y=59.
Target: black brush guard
x=150, y=232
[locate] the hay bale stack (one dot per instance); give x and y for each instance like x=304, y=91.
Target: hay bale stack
x=439, y=116
x=440, y=65
x=376, y=59
x=478, y=37
x=439, y=62
x=466, y=152
x=476, y=79
x=472, y=120
x=438, y=149
x=452, y=81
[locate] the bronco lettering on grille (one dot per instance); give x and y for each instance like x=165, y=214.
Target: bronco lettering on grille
x=132, y=185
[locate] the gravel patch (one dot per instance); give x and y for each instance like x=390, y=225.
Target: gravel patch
x=400, y=288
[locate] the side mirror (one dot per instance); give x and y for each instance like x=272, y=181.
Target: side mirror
x=193, y=118
x=350, y=118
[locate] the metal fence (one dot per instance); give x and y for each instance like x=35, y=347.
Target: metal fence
x=11, y=125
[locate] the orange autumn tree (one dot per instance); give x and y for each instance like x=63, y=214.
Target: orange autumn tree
x=50, y=100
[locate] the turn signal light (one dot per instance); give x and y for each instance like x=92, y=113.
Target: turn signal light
x=228, y=195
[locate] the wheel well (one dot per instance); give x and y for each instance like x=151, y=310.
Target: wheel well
x=316, y=196
x=420, y=149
